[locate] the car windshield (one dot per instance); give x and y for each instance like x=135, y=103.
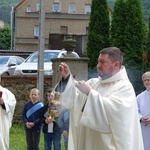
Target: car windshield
x=47, y=57
x=3, y=60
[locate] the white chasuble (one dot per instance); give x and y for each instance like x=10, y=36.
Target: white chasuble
x=106, y=119
x=6, y=116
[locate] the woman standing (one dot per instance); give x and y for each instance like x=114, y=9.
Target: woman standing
x=143, y=101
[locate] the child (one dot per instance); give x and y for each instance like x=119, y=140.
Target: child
x=52, y=133
x=63, y=123
x=30, y=116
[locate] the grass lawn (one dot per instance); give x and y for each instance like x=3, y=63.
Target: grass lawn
x=17, y=139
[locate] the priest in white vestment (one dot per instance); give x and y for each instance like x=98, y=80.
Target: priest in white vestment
x=143, y=101
x=7, y=107
x=103, y=110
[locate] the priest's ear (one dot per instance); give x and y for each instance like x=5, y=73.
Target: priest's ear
x=116, y=65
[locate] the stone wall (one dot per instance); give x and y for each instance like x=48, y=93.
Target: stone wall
x=21, y=86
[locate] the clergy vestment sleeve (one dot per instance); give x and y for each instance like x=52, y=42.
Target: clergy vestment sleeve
x=10, y=103
x=90, y=118
x=139, y=105
x=6, y=116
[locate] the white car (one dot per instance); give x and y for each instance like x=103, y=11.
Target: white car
x=8, y=64
x=30, y=65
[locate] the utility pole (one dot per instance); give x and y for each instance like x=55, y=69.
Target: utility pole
x=12, y=25
x=40, y=80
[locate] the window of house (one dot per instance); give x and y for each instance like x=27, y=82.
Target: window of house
x=36, y=31
x=87, y=9
x=56, y=7
x=87, y=30
x=28, y=9
x=38, y=7
x=72, y=8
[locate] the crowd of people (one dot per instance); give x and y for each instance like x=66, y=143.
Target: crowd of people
x=102, y=113
x=51, y=118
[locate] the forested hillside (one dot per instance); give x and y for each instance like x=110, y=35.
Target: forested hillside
x=5, y=8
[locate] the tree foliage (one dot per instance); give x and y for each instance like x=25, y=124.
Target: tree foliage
x=148, y=45
x=127, y=31
x=98, y=36
x=146, y=61
x=134, y=32
x=145, y=8
x=5, y=9
x=5, y=37
x=118, y=25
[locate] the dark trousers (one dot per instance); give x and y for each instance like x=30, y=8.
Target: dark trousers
x=33, y=140
x=66, y=142
x=52, y=138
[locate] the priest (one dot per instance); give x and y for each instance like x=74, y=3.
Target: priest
x=7, y=107
x=103, y=110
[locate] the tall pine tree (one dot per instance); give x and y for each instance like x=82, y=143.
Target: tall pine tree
x=98, y=36
x=127, y=31
x=147, y=67
x=118, y=25
x=127, y=34
x=134, y=34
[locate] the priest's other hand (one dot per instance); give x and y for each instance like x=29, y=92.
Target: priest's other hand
x=64, y=70
x=83, y=86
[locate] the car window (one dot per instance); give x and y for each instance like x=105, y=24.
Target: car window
x=75, y=55
x=49, y=55
x=62, y=55
x=19, y=60
x=33, y=58
x=13, y=60
x=3, y=60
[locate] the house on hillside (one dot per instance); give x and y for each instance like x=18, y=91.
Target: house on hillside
x=61, y=17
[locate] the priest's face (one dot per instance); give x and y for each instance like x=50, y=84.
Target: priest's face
x=105, y=67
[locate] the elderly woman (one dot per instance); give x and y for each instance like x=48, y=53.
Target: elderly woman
x=143, y=101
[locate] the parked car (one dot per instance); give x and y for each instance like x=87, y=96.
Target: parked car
x=30, y=65
x=8, y=64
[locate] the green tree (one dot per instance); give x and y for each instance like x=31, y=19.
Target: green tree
x=118, y=25
x=147, y=60
x=98, y=36
x=5, y=38
x=127, y=33
x=134, y=34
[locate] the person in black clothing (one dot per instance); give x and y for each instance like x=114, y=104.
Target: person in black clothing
x=52, y=132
